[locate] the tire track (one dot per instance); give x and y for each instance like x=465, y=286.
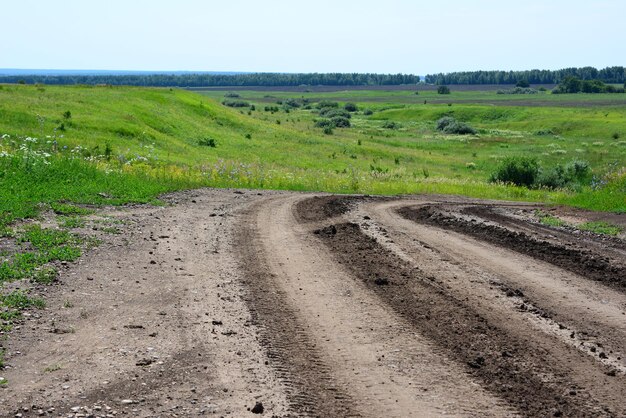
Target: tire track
x=507, y=366
x=586, y=263
x=340, y=350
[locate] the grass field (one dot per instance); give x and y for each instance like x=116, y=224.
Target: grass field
x=120, y=144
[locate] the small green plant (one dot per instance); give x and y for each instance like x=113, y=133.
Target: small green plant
x=68, y=304
x=600, y=227
x=71, y=222
x=207, y=142
x=67, y=115
x=18, y=299
x=368, y=112
x=549, y=220
x=328, y=131
x=443, y=90
x=248, y=136
x=52, y=368
x=110, y=230
x=45, y=275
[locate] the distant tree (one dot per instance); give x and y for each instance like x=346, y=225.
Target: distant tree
x=523, y=83
x=571, y=84
x=443, y=90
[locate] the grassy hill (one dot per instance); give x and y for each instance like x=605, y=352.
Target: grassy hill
x=119, y=144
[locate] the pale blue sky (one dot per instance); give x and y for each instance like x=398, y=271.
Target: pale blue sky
x=387, y=36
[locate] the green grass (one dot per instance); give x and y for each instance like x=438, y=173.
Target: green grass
x=65, y=209
x=600, y=227
x=39, y=247
x=549, y=220
x=72, y=222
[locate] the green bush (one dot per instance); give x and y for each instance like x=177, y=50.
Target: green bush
x=521, y=171
x=327, y=103
x=444, y=121
x=459, y=128
x=368, y=112
x=207, y=142
x=292, y=103
x=449, y=125
x=340, y=122
x=443, y=90
x=351, y=107
x=572, y=175
x=235, y=103
x=391, y=125
x=331, y=113
x=324, y=123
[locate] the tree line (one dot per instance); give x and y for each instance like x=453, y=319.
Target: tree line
x=607, y=75
x=218, y=80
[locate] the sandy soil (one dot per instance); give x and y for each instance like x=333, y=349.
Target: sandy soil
x=243, y=303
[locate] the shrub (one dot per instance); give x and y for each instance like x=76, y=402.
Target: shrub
x=207, y=142
x=518, y=90
x=522, y=84
x=292, y=103
x=331, y=113
x=235, y=103
x=552, y=178
x=391, y=125
x=443, y=90
x=521, y=171
x=328, y=130
x=324, y=123
x=327, y=103
x=449, y=125
x=340, y=122
x=444, y=121
x=232, y=95
x=368, y=112
x=351, y=107
x=459, y=128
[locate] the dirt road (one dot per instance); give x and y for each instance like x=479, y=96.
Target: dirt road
x=237, y=303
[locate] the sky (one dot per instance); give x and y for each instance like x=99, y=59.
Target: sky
x=389, y=36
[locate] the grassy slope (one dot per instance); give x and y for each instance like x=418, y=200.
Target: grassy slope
x=165, y=125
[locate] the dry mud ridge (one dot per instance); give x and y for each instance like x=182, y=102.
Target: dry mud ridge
x=244, y=303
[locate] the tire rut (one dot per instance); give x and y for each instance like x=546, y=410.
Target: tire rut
x=507, y=366
x=583, y=262
x=308, y=382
